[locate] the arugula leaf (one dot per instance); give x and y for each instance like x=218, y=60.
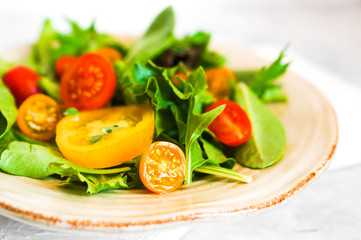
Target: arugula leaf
x=156, y=39
x=224, y=172
x=8, y=110
x=262, y=81
x=268, y=140
x=196, y=125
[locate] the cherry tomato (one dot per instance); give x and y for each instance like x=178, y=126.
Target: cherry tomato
x=109, y=53
x=63, y=63
x=134, y=135
x=38, y=116
x=218, y=80
x=162, y=167
x=181, y=75
x=232, y=127
x=22, y=82
x=89, y=83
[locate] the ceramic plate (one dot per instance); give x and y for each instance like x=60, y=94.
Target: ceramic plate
x=311, y=129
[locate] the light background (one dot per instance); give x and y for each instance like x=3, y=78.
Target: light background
x=325, y=37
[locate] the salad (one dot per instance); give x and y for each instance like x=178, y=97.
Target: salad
x=87, y=109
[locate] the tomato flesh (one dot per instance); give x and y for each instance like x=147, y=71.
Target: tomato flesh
x=22, y=82
x=232, y=127
x=218, y=80
x=162, y=167
x=89, y=83
x=38, y=116
x=134, y=135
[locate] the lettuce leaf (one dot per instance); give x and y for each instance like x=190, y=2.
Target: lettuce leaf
x=8, y=110
x=40, y=161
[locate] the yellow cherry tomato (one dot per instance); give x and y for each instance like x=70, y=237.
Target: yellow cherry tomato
x=132, y=135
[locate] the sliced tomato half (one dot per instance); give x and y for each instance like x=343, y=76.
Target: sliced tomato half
x=89, y=83
x=132, y=135
x=162, y=167
x=38, y=116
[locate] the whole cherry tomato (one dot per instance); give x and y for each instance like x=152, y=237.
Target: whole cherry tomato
x=22, y=82
x=89, y=82
x=63, y=63
x=232, y=127
x=109, y=53
x=218, y=80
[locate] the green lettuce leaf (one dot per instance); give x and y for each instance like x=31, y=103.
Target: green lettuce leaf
x=8, y=110
x=156, y=39
x=268, y=140
x=39, y=161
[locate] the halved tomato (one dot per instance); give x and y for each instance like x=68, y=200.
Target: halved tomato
x=89, y=83
x=232, y=126
x=134, y=133
x=38, y=116
x=162, y=167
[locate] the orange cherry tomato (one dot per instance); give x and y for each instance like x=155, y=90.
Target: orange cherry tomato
x=38, y=116
x=162, y=167
x=109, y=53
x=180, y=75
x=63, y=63
x=133, y=135
x=232, y=127
x=89, y=83
x=218, y=80
x=22, y=82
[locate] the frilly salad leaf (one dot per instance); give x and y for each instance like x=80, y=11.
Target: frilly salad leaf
x=39, y=161
x=53, y=44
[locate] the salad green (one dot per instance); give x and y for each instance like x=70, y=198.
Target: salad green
x=146, y=76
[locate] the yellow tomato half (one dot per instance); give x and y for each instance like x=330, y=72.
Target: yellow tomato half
x=134, y=135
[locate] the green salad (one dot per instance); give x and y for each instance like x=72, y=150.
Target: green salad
x=88, y=109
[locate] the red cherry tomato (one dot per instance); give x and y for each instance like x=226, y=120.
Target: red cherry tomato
x=89, y=83
x=63, y=63
x=22, y=82
x=232, y=127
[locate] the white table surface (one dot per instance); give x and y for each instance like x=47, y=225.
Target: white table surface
x=325, y=48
